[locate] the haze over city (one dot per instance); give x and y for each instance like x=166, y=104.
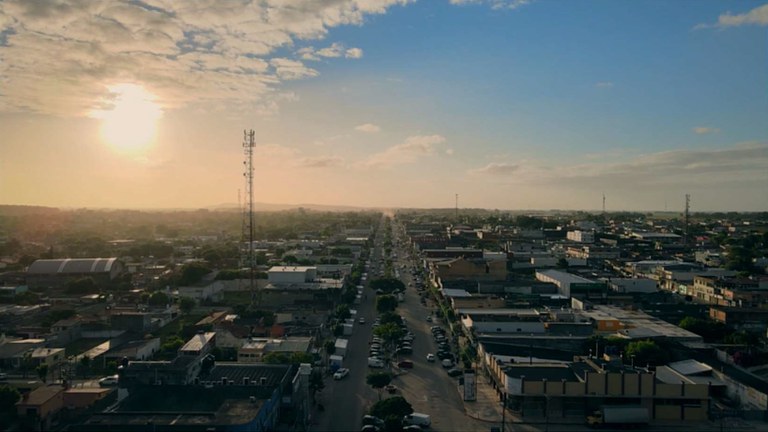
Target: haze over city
x=511, y=104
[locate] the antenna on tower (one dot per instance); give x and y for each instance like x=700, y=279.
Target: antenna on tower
x=603, y=203
x=248, y=145
x=457, y=208
x=687, y=217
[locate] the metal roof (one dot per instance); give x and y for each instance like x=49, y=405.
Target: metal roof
x=690, y=367
x=72, y=266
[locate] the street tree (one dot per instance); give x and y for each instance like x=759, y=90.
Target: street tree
x=387, y=285
x=378, y=380
x=390, y=334
x=386, y=303
x=8, y=398
x=394, y=407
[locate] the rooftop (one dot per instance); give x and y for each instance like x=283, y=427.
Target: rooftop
x=41, y=395
x=198, y=341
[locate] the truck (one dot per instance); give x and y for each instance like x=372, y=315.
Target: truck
x=341, y=346
x=336, y=362
x=418, y=419
x=347, y=329
x=619, y=415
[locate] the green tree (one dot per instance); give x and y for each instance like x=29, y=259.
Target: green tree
x=192, y=273
x=159, y=298
x=172, y=344
x=711, y=331
x=186, y=304
x=342, y=312
x=316, y=383
x=42, y=372
x=389, y=333
x=330, y=347
x=386, y=303
x=8, y=398
x=391, y=407
x=390, y=317
x=378, y=380
x=387, y=285
x=647, y=352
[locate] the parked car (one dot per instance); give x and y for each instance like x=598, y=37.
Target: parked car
x=3, y=376
x=453, y=372
x=109, y=381
x=405, y=350
x=429, y=318
x=391, y=389
x=405, y=364
x=447, y=363
x=373, y=420
x=370, y=428
x=341, y=373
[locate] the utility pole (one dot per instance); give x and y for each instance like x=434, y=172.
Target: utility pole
x=603, y=203
x=687, y=218
x=248, y=145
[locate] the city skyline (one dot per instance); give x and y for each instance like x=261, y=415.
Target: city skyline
x=510, y=104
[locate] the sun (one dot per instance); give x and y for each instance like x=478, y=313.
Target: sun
x=130, y=123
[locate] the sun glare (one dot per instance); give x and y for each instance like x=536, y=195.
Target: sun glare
x=130, y=124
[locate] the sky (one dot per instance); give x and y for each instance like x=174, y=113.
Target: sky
x=509, y=104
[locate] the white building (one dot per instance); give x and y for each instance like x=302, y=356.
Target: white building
x=581, y=236
x=563, y=280
x=291, y=274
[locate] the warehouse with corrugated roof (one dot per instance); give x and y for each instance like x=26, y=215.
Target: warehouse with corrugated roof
x=55, y=273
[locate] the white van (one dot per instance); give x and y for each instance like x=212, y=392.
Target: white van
x=375, y=362
x=418, y=419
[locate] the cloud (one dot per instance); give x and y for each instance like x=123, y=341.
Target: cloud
x=354, y=53
x=320, y=162
x=406, y=152
x=747, y=162
x=604, y=84
x=335, y=50
x=210, y=55
x=495, y=4
x=757, y=16
x=496, y=168
x=703, y=130
x=368, y=127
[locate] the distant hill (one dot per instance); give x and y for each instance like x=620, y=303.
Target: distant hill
x=260, y=206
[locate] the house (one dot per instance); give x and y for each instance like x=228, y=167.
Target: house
x=38, y=408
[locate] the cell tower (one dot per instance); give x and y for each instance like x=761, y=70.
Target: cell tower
x=687, y=217
x=250, y=259
x=603, y=203
x=457, y=208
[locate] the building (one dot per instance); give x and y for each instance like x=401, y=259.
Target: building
x=38, y=408
x=569, y=284
x=633, y=285
x=291, y=275
x=740, y=318
x=135, y=350
x=254, y=350
x=581, y=236
x=575, y=389
x=56, y=273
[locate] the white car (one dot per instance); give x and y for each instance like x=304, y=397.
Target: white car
x=341, y=373
x=361, y=320
x=430, y=357
x=109, y=381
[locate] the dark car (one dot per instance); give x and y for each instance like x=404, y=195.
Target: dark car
x=442, y=355
x=455, y=372
x=405, y=364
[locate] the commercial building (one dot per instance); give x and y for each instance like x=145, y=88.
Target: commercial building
x=291, y=275
x=569, y=284
x=55, y=273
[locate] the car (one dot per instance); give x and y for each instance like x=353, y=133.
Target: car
x=370, y=428
x=447, y=363
x=405, y=350
x=391, y=389
x=341, y=373
x=429, y=318
x=453, y=372
x=405, y=364
x=412, y=428
x=3, y=376
x=442, y=355
x=373, y=420
x=109, y=381
x=430, y=357
x=361, y=320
